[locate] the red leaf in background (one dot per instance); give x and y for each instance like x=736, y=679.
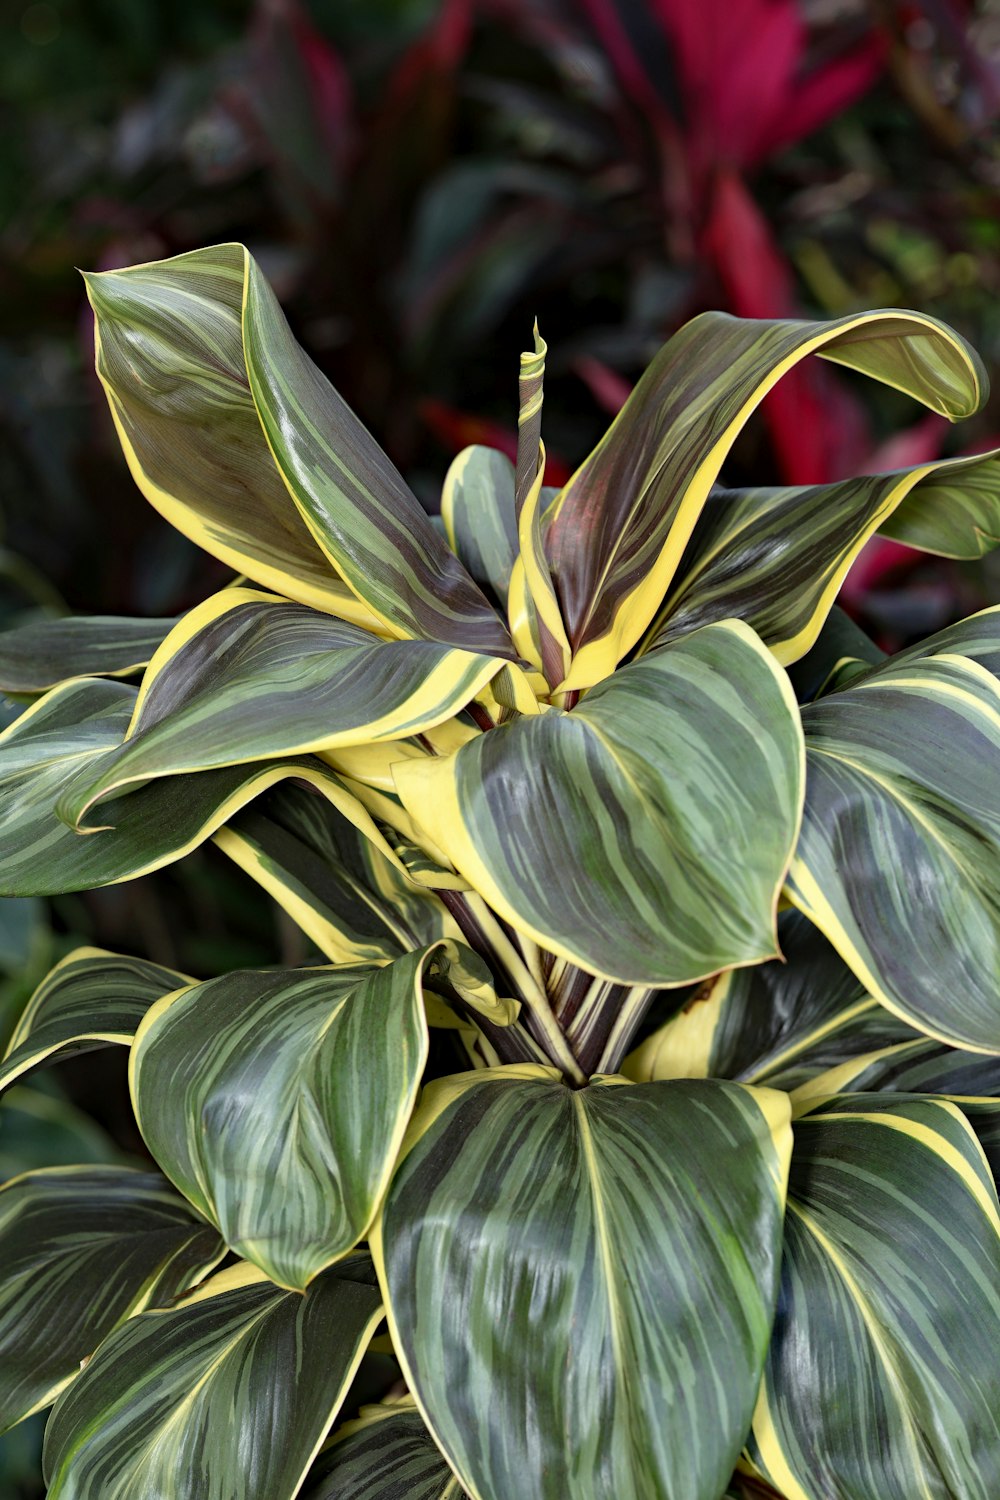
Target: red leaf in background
x=826, y=91
x=439, y=49
x=818, y=430
x=609, y=389
x=456, y=429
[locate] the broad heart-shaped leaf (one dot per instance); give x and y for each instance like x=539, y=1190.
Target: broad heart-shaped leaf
x=246, y=676
x=43, y=653
x=777, y=558
x=60, y=739
x=881, y=1378
x=90, y=999
x=643, y=836
x=622, y=522
x=228, y=1394
x=898, y=860
x=387, y=1454
x=580, y=1283
x=81, y=1249
x=477, y=507
x=277, y=1101
x=170, y=357
x=775, y=1024
x=357, y=506
x=353, y=902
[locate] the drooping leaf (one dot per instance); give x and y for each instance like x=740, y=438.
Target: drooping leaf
x=387, y=1454
x=580, y=1281
x=952, y=519
x=775, y=1024
x=644, y=835
x=357, y=506
x=899, y=856
x=58, y=743
x=236, y=1386
x=81, y=1249
x=277, y=1101
x=880, y=1381
x=37, y=656
x=246, y=676
x=353, y=902
x=90, y=999
x=477, y=507
x=170, y=357
x=777, y=558
x=625, y=517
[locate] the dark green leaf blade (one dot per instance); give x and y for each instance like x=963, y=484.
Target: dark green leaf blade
x=580, y=1282
x=387, y=1454
x=90, y=999
x=659, y=814
x=237, y=1385
x=81, y=1249
x=881, y=1378
x=37, y=656
x=477, y=507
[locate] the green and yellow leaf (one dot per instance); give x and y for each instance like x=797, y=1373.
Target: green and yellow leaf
x=880, y=1381
x=82, y=1249
x=235, y=1386
x=43, y=653
x=386, y=1454
x=580, y=1282
x=644, y=835
x=477, y=508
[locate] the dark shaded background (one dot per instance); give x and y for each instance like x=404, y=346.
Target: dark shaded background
x=420, y=179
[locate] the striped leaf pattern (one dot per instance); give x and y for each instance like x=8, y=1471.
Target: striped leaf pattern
x=91, y=999
x=54, y=747
x=644, y=835
x=170, y=357
x=43, y=653
x=227, y=1396
x=477, y=508
x=355, y=904
x=387, y=1454
x=355, y=503
x=777, y=558
x=277, y=1101
x=776, y=1024
x=952, y=519
x=249, y=677
x=881, y=1377
x=899, y=857
x=580, y=1282
x=622, y=522
x=919, y=1066
x=81, y=1249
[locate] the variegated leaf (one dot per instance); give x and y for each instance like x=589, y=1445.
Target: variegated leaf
x=624, y=519
x=246, y=676
x=477, y=508
x=43, y=653
x=881, y=1377
x=228, y=1394
x=81, y=1249
x=580, y=1282
x=90, y=999
x=899, y=857
x=659, y=815
x=386, y=1454
x=277, y=1101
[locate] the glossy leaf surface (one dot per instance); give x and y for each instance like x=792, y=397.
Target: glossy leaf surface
x=37, y=656
x=387, y=1454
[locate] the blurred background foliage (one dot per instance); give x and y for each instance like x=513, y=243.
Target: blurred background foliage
x=420, y=179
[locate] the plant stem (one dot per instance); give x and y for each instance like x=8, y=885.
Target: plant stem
x=624, y=1027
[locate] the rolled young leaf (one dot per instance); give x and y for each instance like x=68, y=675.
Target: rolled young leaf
x=230, y=1392
x=644, y=836
x=355, y=903
x=81, y=1249
x=898, y=861
x=580, y=1282
x=277, y=1101
x=246, y=676
x=880, y=1381
x=90, y=999
x=387, y=1454
x=37, y=656
x=777, y=558
x=622, y=522
x=776, y=1024
x=61, y=739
